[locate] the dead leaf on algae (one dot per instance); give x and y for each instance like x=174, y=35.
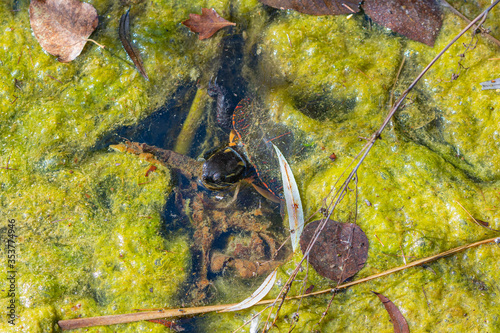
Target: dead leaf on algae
x=62, y=26
x=397, y=318
x=419, y=20
x=340, y=251
x=206, y=24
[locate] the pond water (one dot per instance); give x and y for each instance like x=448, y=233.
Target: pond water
x=99, y=233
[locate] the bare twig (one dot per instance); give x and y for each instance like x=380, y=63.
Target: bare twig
x=463, y=17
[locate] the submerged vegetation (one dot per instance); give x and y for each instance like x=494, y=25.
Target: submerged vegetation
x=96, y=234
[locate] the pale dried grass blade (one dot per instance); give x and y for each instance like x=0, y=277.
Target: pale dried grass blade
x=292, y=199
x=492, y=84
x=257, y=295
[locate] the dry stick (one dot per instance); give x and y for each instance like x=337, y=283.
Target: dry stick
x=396, y=81
x=366, y=149
x=162, y=313
x=483, y=30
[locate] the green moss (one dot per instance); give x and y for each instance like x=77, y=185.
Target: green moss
x=88, y=221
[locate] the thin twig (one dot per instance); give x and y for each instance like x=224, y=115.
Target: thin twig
x=463, y=17
x=396, y=81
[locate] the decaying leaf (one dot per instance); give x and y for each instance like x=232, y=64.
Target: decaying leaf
x=62, y=26
x=257, y=295
x=419, y=20
x=292, y=199
x=124, y=33
x=397, y=318
x=206, y=24
x=316, y=7
x=340, y=251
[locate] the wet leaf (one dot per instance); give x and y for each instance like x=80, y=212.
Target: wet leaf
x=419, y=20
x=292, y=199
x=124, y=33
x=257, y=295
x=397, y=318
x=62, y=26
x=316, y=7
x=206, y=24
x=340, y=251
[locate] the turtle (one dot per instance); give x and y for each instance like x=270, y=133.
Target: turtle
x=249, y=155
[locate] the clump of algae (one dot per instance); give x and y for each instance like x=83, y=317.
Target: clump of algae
x=89, y=233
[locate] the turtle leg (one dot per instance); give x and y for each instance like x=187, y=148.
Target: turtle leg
x=233, y=199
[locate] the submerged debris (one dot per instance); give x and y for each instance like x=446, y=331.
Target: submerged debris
x=228, y=234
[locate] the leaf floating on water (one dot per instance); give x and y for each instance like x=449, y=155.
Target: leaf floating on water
x=397, y=318
x=316, y=7
x=206, y=24
x=419, y=20
x=340, y=251
x=124, y=33
x=62, y=27
x=257, y=295
x=292, y=199
x=492, y=84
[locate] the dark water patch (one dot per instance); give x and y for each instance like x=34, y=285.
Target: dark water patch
x=161, y=127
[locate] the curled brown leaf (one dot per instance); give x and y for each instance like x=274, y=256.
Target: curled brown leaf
x=62, y=26
x=397, y=318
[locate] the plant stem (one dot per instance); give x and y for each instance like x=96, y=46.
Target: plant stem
x=191, y=123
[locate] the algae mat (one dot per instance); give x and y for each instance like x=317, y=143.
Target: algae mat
x=88, y=221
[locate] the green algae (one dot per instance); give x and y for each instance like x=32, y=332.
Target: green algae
x=89, y=221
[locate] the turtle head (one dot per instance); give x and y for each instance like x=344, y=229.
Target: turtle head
x=224, y=168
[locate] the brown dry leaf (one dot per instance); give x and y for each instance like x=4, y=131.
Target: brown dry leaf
x=397, y=318
x=419, y=20
x=62, y=26
x=316, y=7
x=206, y=24
x=340, y=251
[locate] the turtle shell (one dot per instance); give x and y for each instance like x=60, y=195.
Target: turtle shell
x=225, y=167
x=256, y=134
